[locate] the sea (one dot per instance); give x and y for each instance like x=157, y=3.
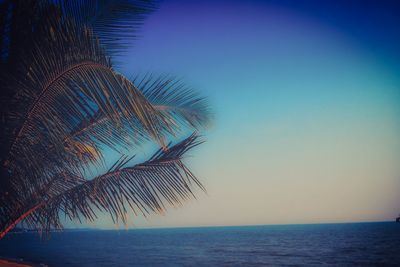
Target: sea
x=350, y=244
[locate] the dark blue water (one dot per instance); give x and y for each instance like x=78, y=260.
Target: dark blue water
x=357, y=244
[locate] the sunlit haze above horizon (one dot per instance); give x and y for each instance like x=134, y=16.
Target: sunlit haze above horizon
x=305, y=98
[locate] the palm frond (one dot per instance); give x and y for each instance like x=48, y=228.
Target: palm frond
x=175, y=100
x=181, y=106
x=115, y=22
x=69, y=82
x=143, y=188
x=64, y=80
x=63, y=103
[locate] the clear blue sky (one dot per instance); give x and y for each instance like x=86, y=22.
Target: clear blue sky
x=306, y=98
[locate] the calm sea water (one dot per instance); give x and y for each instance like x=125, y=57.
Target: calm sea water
x=356, y=244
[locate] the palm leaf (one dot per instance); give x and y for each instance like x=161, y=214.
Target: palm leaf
x=175, y=100
x=71, y=84
x=142, y=188
x=182, y=107
x=63, y=103
x=63, y=80
x=115, y=22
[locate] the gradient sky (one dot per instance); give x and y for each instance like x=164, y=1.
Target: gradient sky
x=305, y=96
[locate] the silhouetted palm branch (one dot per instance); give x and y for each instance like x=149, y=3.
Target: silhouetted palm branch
x=142, y=188
x=63, y=103
x=115, y=22
x=175, y=99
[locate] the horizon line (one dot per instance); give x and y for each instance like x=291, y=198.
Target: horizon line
x=220, y=226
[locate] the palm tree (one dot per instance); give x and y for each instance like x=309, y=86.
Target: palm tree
x=63, y=104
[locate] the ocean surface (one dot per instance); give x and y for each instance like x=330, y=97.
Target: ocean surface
x=353, y=244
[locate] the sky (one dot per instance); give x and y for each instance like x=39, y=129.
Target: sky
x=305, y=97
